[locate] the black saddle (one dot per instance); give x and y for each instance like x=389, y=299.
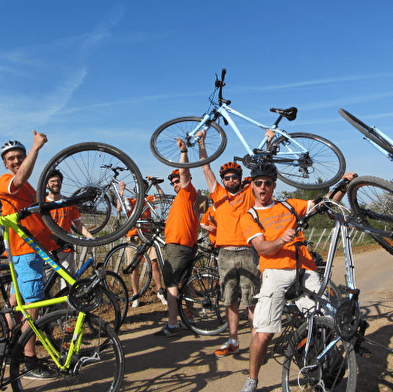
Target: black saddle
x=289, y=114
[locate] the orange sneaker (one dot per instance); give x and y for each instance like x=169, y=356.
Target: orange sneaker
x=226, y=349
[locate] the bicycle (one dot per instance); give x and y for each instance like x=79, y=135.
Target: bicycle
x=199, y=301
x=113, y=288
x=92, y=172
x=371, y=198
x=321, y=353
x=303, y=160
x=72, y=343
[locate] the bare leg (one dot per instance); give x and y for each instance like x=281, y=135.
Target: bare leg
x=258, y=349
x=172, y=293
x=233, y=319
x=156, y=274
x=251, y=319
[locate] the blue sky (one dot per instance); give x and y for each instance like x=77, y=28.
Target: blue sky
x=114, y=71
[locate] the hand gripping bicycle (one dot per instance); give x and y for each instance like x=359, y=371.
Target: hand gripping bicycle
x=303, y=160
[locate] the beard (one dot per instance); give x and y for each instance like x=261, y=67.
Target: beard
x=54, y=190
x=233, y=188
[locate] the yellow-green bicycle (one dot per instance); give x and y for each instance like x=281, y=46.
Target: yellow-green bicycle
x=78, y=349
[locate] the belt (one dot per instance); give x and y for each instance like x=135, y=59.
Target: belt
x=235, y=248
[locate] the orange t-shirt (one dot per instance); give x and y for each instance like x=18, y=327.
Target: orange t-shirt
x=146, y=214
x=229, y=209
x=65, y=216
x=209, y=220
x=182, y=226
x=275, y=219
x=25, y=196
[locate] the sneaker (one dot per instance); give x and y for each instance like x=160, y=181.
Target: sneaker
x=226, y=349
x=250, y=385
x=167, y=332
x=161, y=296
x=135, y=303
x=34, y=371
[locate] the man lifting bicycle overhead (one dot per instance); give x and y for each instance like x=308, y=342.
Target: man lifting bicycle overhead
x=270, y=227
x=181, y=235
x=237, y=268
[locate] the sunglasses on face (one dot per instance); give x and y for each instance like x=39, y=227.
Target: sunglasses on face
x=175, y=182
x=233, y=176
x=259, y=183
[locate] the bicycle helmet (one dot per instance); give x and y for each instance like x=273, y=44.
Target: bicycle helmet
x=174, y=174
x=246, y=181
x=264, y=169
x=12, y=145
x=55, y=173
x=231, y=167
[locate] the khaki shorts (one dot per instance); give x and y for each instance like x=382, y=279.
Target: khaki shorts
x=135, y=240
x=177, y=259
x=239, y=273
x=271, y=298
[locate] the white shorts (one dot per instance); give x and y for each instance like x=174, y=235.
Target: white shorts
x=271, y=298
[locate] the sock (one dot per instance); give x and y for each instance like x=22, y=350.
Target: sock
x=233, y=342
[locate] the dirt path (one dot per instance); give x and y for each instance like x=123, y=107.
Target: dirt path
x=187, y=363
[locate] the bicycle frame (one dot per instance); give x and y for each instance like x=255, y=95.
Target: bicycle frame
x=379, y=148
x=224, y=110
x=11, y=222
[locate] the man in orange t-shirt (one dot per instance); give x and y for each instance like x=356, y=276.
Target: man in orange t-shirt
x=273, y=235
x=209, y=224
x=238, y=270
x=16, y=193
x=65, y=217
x=181, y=235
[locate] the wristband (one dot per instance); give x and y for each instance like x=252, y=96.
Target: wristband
x=183, y=151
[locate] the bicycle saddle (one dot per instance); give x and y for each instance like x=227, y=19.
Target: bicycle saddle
x=156, y=180
x=289, y=114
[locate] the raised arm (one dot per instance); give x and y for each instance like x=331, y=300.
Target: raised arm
x=27, y=166
x=157, y=186
x=183, y=172
x=207, y=171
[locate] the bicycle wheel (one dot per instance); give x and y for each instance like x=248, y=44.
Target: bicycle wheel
x=115, y=284
x=322, y=166
x=164, y=147
x=158, y=213
x=108, y=309
x=367, y=131
x=200, y=306
x=119, y=258
x=96, y=367
x=95, y=168
x=336, y=371
x=371, y=200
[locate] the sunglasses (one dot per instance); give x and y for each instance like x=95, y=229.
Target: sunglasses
x=268, y=183
x=233, y=176
x=175, y=182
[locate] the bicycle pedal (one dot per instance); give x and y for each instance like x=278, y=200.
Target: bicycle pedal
x=364, y=352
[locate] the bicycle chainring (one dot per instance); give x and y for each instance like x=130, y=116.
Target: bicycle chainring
x=347, y=319
x=83, y=297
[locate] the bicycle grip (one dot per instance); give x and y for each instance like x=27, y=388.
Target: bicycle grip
x=223, y=73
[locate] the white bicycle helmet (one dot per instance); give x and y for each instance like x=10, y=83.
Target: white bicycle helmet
x=12, y=145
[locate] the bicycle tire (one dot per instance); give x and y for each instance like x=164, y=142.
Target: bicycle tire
x=115, y=284
x=108, y=309
x=367, y=131
x=106, y=373
x=321, y=169
x=117, y=260
x=84, y=166
x=337, y=371
x=200, y=306
x=159, y=213
x=164, y=147
x=369, y=193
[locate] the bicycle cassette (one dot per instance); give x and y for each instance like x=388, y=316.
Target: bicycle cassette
x=347, y=319
x=83, y=296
